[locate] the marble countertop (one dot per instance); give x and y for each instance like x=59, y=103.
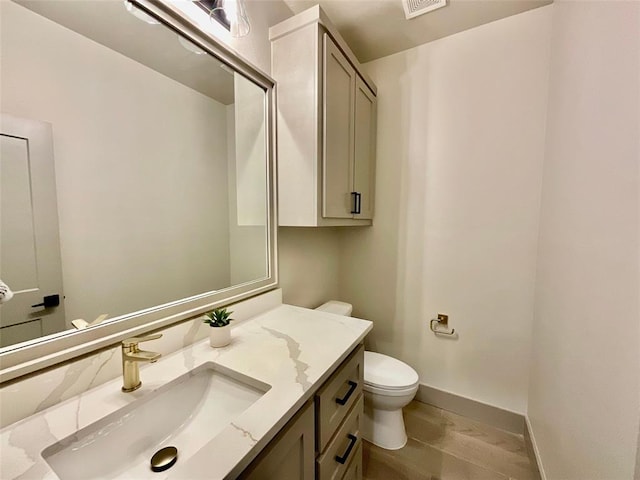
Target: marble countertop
x=292, y=349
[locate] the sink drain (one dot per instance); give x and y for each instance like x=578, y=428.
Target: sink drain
x=164, y=459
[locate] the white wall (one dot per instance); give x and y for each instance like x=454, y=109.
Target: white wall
x=112, y=262
x=585, y=364
x=460, y=146
x=250, y=152
x=309, y=265
x=248, y=201
x=247, y=243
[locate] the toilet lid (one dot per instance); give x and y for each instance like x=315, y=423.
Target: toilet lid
x=387, y=372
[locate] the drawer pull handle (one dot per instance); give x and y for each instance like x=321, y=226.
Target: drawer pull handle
x=352, y=441
x=345, y=399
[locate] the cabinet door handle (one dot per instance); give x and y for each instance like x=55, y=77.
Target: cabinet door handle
x=352, y=441
x=345, y=399
x=354, y=198
x=359, y=206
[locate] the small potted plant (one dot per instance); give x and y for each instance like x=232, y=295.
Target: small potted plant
x=219, y=321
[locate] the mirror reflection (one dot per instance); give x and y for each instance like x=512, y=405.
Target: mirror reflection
x=133, y=168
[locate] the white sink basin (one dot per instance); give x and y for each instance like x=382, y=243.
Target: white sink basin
x=185, y=413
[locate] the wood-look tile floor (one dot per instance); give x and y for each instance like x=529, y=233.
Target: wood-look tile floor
x=446, y=446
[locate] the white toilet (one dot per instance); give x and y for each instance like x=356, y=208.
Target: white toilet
x=389, y=385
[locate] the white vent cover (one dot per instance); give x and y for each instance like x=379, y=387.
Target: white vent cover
x=413, y=8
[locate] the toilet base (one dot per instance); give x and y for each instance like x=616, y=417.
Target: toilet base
x=384, y=428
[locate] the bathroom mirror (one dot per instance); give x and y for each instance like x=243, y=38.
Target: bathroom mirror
x=136, y=181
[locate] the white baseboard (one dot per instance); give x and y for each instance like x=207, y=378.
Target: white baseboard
x=530, y=440
x=494, y=416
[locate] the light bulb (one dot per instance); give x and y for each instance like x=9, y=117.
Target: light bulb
x=190, y=46
x=139, y=14
x=236, y=13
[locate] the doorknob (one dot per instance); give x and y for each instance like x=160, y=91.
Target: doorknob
x=49, y=301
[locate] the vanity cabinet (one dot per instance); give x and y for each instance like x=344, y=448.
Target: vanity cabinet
x=323, y=439
x=291, y=454
x=326, y=120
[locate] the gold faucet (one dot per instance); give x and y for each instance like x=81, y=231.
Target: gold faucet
x=131, y=356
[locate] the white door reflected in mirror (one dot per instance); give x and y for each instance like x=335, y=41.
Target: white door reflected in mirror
x=29, y=242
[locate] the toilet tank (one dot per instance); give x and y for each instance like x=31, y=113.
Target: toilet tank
x=336, y=307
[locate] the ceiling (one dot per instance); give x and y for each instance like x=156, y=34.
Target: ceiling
x=377, y=28
x=372, y=28
x=157, y=47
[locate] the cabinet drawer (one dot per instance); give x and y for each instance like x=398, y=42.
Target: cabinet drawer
x=337, y=395
x=344, y=445
x=354, y=470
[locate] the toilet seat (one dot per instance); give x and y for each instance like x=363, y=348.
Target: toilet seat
x=395, y=392
x=387, y=375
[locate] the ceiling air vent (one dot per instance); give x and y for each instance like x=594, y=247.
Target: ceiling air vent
x=413, y=8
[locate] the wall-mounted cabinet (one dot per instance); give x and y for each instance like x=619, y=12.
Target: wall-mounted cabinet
x=326, y=125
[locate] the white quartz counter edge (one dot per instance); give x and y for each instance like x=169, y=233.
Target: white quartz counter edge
x=292, y=349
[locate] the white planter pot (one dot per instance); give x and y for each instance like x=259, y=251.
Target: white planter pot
x=220, y=336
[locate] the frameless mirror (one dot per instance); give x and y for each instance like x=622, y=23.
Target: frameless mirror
x=135, y=175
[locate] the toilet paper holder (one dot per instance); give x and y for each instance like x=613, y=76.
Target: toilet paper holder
x=443, y=321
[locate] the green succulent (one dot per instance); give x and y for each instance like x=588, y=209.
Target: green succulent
x=218, y=318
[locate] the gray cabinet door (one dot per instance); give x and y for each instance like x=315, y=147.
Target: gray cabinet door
x=291, y=455
x=365, y=149
x=338, y=93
